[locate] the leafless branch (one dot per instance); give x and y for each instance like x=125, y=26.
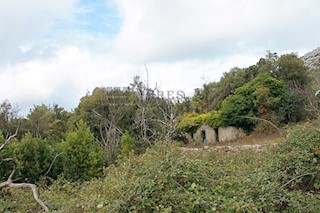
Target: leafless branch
x=261, y=119
x=50, y=167
x=9, y=138
x=295, y=178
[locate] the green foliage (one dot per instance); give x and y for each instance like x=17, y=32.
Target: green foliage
x=292, y=70
x=48, y=122
x=288, y=68
x=262, y=96
x=39, y=119
x=127, y=144
x=58, y=124
x=111, y=105
x=5, y=168
x=299, y=155
x=33, y=156
x=8, y=117
x=82, y=154
x=283, y=178
x=233, y=108
x=212, y=94
x=189, y=122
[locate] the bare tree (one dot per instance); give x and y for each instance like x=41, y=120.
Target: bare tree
x=156, y=114
x=9, y=182
x=110, y=133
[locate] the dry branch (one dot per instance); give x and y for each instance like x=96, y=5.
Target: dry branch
x=8, y=140
x=261, y=119
x=295, y=178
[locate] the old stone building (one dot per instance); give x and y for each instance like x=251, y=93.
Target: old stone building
x=230, y=133
x=208, y=135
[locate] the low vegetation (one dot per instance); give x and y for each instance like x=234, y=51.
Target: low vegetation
x=118, y=150
x=284, y=178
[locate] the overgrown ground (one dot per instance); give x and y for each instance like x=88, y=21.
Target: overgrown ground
x=285, y=177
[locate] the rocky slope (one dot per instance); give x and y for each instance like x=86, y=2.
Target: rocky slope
x=312, y=59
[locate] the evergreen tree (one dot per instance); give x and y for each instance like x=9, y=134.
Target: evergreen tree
x=82, y=154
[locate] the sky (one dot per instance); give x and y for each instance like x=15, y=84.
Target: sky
x=55, y=52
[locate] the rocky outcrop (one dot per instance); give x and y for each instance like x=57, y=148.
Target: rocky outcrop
x=312, y=59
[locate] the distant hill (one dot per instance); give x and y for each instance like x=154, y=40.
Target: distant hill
x=312, y=59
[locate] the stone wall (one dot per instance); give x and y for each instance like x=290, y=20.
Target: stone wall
x=223, y=134
x=230, y=133
x=207, y=132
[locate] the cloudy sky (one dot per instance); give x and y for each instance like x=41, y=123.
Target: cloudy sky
x=55, y=51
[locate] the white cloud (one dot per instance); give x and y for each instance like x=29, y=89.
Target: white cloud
x=173, y=29
x=73, y=72
x=182, y=42
x=62, y=79
x=28, y=23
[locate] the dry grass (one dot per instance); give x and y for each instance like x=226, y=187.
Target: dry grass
x=256, y=139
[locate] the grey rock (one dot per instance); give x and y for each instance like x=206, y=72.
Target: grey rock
x=312, y=59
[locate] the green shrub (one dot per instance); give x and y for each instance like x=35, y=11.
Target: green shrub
x=190, y=122
x=127, y=144
x=297, y=161
x=82, y=154
x=261, y=97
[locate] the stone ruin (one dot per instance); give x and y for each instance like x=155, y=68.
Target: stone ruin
x=208, y=135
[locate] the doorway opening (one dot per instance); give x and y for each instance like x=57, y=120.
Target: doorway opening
x=204, y=138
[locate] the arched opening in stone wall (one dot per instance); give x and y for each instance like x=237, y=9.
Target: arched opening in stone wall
x=204, y=137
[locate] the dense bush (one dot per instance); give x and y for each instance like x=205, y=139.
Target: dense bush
x=33, y=157
x=190, y=122
x=82, y=154
x=264, y=96
x=297, y=161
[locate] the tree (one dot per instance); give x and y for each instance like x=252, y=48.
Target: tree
x=156, y=115
x=8, y=117
x=9, y=182
x=263, y=96
x=39, y=120
x=288, y=68
x=58, y=124
x=108, y=113
x=127, y=144
x=212, y=94
x=82, y=154
x=291, y=70
x=34, y=156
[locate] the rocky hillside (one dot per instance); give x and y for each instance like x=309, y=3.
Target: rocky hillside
x=312, y=59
